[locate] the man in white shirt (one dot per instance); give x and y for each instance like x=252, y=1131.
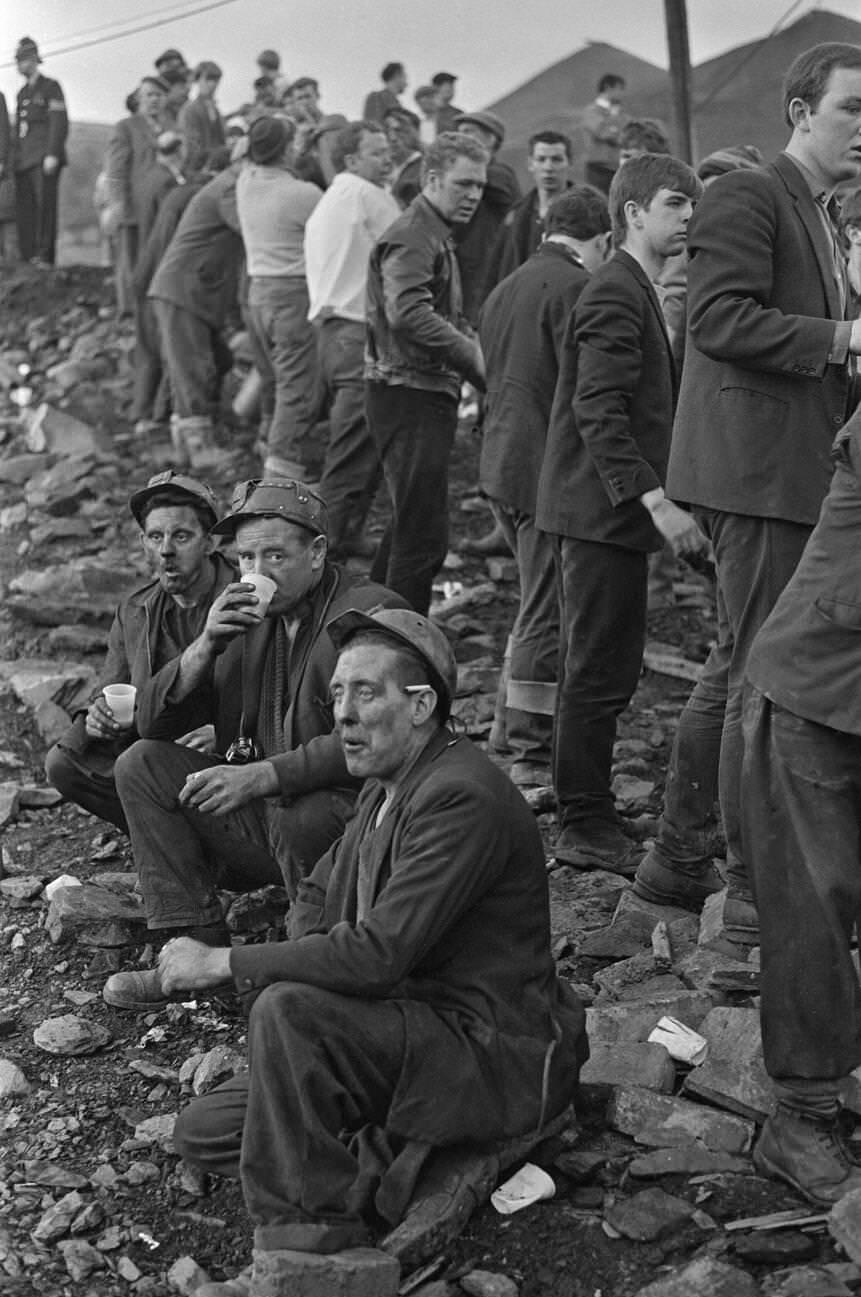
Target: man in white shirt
x=341, y=231
x=274, y=206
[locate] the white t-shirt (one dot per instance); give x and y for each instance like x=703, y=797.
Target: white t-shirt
x=339, y=238
x=273, y=207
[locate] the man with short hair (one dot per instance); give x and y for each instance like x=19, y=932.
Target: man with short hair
x=339, y=238
x=394, y=79
x=176, y=96
x=427, y=104
x=602, y=122
x=278, y=792
x=522, y=328
x=200, y=120
x=446, y=112
x=768, y=378
x=549, y=163
x=170, y=61
x=305, y=100
x=402, y=132
x=476, y=241
x=642, y=135
x=419, y=952
x=419, y=350
x=130, y=156
x=601, y=497
x=150, y=628
x=274, y=207
x=38, y=156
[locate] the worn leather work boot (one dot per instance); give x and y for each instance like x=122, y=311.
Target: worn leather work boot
x=140, y=990
x=608, y=849
x=687, y=886
x=807, y=1152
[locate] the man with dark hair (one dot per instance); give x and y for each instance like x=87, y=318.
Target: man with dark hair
x=176, y=95
x=278, y=792
x=419, y=350
x=419, y=951
x=394, y=79
x=446, y=113
x=767, y=379
x=522, y=328
x=200, y=120
x=402, y=132
x=38, y=156
x=549, y=164
x=170, y=61
x=305, y=100
x=339, y=237
x=428, y=105
x=274, y=206
x=151, y=627
x=476, y=242
x=601, y=123
x=130, y=156
x=642, y=135
x=601, y=496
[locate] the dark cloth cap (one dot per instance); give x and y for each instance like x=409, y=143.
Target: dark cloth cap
x=736, y=157
x=329, y=122
x=441, y=78
x=152, y=79
x=169, y=56
x=275, y=498
x=487, y=121
x=412, y=630
x=175, y=484
x=269, y=59
x=27, y=49
x=268, y=138
x=423, y=91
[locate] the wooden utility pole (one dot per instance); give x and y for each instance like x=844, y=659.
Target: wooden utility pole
x=675, y=12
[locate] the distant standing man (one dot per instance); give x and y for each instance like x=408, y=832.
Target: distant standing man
x=394, y=79
x=601, y=496
x=446, y=112
x=419, y=350
x=602, y=124
x=339, y=238
x=549, y=163
x=767, y=382
x=41, y=127
x=200, y=121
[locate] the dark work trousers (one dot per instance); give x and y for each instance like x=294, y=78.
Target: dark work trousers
x=414, y=432
x=151, y=400
x=352, y=470
x=801, y=831
x=183, y=856
x=529, y=690
x=320, y=1064
x=188, y=354
x=36, y=197
x=127, y=247
x=603, y=601
x=97, y=793
x=285, y=352
x=754, y=558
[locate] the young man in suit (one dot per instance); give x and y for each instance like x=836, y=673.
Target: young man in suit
x=767, y=382
x=601, y=496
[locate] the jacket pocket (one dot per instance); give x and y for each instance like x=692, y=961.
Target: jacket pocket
x=839, y=612
x=741, y=404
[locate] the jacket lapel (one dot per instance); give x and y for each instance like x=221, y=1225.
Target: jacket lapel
x=805, y=205
x=633, y=266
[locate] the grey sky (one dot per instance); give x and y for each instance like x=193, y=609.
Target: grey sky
x=493, y=45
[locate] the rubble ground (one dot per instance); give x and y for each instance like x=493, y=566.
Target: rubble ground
x=655, y=1176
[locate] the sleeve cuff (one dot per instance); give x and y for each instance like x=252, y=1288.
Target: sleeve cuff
x=839, y=353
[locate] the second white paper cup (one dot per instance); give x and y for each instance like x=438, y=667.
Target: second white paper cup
x=264, y=588
x=121, y=700
x=529, y=1185
x=680, y=1042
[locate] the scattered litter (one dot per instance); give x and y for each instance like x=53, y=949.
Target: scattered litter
x=529, y=1185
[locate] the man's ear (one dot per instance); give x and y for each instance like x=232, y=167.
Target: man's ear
x=424, y=705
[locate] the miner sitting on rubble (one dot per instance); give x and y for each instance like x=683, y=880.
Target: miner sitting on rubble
x=415, y=1004
x=151, y=628
x=278, y=792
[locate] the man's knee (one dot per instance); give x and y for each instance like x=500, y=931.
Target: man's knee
x=61, y=772
x=144, y=764
x=297, y=1009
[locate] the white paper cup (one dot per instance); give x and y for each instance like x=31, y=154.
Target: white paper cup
x=529, y=1185
x=121, y=700
x=264, y=588
x=681, y=1042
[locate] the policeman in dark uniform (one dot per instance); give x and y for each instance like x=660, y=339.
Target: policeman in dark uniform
x=41, y=127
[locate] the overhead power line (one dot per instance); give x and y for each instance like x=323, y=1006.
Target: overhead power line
x=131, y=31
x=745, y=59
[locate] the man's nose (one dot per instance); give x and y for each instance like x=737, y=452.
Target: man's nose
x=167, y=545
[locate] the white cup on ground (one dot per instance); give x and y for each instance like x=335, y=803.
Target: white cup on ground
x=528, y=1185
x=681, y=1042
x=264, y=588
x=121, y=701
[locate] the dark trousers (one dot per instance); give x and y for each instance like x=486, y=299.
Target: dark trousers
x=188, y=353
x=183, y=856
x=603, y=600
x=97, y=793
x=36, y=197
x=414, y=433
x=284, y=1128
x=529, y=686
x=151, y=399
x=285, y=353
x=352, y=470
x=754, y=558
x=801, y=830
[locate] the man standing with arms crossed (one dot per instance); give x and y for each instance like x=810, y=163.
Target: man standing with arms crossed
x=767, y=382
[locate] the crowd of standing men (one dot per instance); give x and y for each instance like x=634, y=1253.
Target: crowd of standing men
x=666, y=362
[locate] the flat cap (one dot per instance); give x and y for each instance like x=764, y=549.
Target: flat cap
x=170, y=56
x=440, y=78
x=275, y=498
x=487, y=121
x=172, y=483
x=268, y=137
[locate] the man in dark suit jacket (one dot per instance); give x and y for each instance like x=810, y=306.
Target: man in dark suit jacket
x=200, y=121
x=801, y=825
x=601, y=496
x=522, y=328
x=41, y=127
x=767, y=381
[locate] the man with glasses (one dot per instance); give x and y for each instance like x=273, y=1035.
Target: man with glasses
x=277, y=792
x=151, y=627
